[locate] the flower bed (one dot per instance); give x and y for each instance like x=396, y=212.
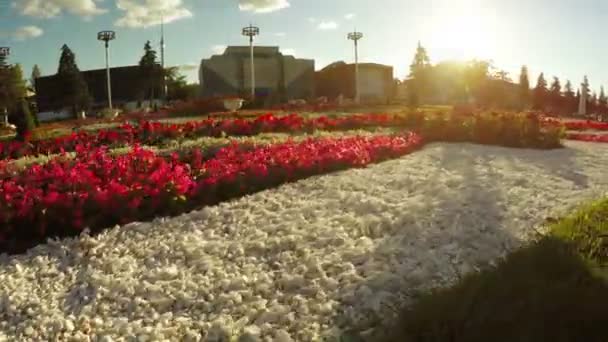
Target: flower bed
x=95, y=190
x=577, y=125
x=151, y=133
x=515, y=130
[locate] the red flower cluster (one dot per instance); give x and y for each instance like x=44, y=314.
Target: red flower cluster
x=577, y=125
x=97, y=190
x=598, y=138
x=152, y=132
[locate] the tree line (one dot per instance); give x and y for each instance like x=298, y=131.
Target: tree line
x=478, y=82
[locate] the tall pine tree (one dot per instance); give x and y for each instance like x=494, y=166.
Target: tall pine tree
x=150, y=71
x=555, y=94
x=75, y=89
x=524, y=88
x=602, y=102
x=540, y=93
x=35, y=74
x=420, y=72
x=570, y=99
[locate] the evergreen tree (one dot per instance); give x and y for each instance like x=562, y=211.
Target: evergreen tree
x=555, y=94
x=540, y=93
x=35, y=74
x=602, y=102
x=420, y=72
x=75, y=89
x=12, y=86
x=570, y=99
x=150, y=71
x=524, y=88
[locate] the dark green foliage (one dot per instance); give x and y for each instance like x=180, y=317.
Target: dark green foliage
x=540, y=93
x=151, y=71
x=74, y=88
x=543, y=292
x=24, y=121
x=588, y=230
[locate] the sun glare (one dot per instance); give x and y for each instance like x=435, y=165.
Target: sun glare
x=463, y=30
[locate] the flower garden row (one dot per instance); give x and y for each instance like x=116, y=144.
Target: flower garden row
x=152, y=133
x=96, y=190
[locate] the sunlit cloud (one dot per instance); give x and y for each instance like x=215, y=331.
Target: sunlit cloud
x=262, y=6
x=327, y=25
x=280, y=34
x=146, y=13
x=350, y=16
x=52, y=8
x=27, y=32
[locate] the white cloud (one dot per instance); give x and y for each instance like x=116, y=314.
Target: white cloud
x=188, y=67
x=262, y=6
x=312, y=20
x=27, y=32
x=328, y=25
x=218, y=49
x=146, y=13
x=288, y=52
x=53, y=8
x=280, y=34
x=350, y=16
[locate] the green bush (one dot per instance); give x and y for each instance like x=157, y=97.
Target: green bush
x=520, y=130
x=587, y=229
x=543, y=292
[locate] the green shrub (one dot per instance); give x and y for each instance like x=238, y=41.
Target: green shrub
x=543, y=292
x=587, y=229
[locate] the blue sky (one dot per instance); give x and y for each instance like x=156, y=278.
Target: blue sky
x=563, y=38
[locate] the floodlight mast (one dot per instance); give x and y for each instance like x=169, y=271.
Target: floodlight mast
x=107, y=36
x=356, y=36
x=251, y=31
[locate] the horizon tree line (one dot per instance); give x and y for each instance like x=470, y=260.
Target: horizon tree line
x=478, y=82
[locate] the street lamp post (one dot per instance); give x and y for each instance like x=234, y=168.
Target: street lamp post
x=5, y=51
x=251, y=32
x=107, y=36
x=356, y=36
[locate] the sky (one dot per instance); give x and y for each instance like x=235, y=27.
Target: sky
x=563, y=38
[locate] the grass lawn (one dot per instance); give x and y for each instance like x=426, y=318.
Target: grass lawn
x=555, y=289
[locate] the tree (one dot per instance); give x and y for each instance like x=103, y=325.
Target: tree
x=555, y=94
x=177, y=86
x=602, y=102
x=12, y=86
x=35, y=74
x=524, y=88
x=420, y=69
x=150, y=71
x=23, y=120
x=570, y=99
x=75, y=90
x=540, y=93
x=587, y=94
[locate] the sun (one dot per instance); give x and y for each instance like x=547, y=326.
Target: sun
x=463, y=30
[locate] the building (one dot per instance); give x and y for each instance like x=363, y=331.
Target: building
x=127, y=91
x=278, y=78
x=376, y=83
